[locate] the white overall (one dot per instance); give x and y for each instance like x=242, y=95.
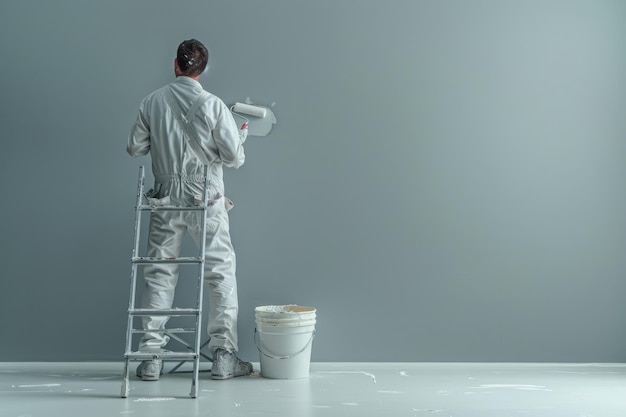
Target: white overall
x=179, y=180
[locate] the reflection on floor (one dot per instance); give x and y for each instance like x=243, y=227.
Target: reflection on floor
x=332, y=389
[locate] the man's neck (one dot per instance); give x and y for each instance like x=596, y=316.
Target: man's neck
x=195, y=77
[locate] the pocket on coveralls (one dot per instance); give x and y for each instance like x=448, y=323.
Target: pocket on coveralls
x=215, y=205
x=158, y=202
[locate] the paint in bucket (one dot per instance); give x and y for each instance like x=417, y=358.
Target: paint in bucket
x=284, y=335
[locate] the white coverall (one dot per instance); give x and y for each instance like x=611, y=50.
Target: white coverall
x=179, y=180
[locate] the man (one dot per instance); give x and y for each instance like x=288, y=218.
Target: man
x=178, y=160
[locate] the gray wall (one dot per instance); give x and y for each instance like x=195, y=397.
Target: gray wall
x=444, y=183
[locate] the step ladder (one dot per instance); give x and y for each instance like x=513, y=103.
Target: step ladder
x=192, y=352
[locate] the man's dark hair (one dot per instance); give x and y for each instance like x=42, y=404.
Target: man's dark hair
x=192, y=57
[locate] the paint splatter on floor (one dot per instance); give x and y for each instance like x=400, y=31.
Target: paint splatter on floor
x=352, y=372
x=429, y=410
x=154, y=399
x=525, y=387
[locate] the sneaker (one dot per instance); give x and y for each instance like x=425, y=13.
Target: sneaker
x=227, y=365
x=150, y=370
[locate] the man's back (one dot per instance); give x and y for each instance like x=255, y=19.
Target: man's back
x=157, y=131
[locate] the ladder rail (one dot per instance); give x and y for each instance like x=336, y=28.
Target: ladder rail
x=133, y=281
x=200, y=288
x=134, y=267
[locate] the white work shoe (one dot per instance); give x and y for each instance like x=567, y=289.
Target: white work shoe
x=150, y=370
x=227, y=365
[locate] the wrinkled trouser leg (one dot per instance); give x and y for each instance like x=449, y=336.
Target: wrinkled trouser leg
x=219, y=274
x=164, y=241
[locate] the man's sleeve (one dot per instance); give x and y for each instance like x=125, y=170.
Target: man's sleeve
x=139, y=138
x=227, y=139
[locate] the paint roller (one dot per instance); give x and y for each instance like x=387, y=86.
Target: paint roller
x=261, y=121
x=249, y=110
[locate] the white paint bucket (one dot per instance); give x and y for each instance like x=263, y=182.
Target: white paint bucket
x=284, y=335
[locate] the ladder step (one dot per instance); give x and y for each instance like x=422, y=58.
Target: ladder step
x=164, y=312
x=176, y=330
x=147, y=207
x=179, y=356
x=179, y=260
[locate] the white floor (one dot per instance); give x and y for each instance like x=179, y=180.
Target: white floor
x=333, y=389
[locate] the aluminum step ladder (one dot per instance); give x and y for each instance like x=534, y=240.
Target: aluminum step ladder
x=192, y=352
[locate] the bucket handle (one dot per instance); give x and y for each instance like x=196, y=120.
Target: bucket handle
x=267, y=354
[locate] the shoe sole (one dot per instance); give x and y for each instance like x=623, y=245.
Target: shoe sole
x=222, y=377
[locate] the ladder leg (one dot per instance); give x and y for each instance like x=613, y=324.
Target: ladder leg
x=125, y=381
x=194, y=381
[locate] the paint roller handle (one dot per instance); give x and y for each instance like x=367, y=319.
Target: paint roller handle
x=243, y=132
